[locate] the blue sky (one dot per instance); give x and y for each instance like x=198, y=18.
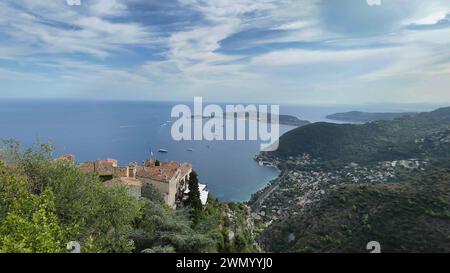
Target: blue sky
x=277, y=51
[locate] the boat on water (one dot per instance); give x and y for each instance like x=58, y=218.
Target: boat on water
x=265, y=163
x=164, y=151
x=190, y=149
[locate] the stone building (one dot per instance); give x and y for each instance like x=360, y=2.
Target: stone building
x=134, y=186
x=104, y=167
x=170, y=178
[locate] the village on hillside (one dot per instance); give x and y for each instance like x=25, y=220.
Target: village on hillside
x=304, y=181
x=171, y=179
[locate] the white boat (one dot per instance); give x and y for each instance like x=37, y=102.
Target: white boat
x=190, y=149
x=163, y=151
x=267, y=164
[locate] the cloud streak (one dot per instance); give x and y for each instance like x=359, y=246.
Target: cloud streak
x=307, y=50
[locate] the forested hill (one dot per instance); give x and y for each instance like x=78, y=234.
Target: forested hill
x=363, y=117
x=422, y=135
x=405, y=216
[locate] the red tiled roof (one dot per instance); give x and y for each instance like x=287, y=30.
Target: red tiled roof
x=163, y=173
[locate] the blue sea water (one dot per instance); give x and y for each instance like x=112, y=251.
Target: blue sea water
x=127, y=131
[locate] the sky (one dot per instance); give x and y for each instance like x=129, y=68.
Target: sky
x=271, y=51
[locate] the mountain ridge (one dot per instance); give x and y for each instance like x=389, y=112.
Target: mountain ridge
x=363, y=117
x=370, y=142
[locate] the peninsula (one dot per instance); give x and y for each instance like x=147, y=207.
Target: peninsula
x=288, y=120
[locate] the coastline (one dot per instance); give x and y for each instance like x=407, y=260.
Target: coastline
x=258, y=197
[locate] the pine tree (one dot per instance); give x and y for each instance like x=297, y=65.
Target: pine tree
x=193, y=201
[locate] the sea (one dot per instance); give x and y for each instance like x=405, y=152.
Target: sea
x=135, y=131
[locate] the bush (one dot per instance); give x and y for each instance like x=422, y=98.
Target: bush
x=100, y=218
x=28, y=222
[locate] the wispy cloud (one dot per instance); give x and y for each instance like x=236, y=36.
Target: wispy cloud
x=308, y=57
x=225, y=50
x=53, y=27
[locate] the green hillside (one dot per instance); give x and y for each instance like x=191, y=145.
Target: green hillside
x=405, y=137
x=410, y=216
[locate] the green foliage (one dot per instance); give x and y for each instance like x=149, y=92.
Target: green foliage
x=229, y=226
x=151, y=193
x=116, y=213
x=101, y=218
x=159, y=249
x=193, y=201
x=44, y=204
x=28, y=222
x=162, y=229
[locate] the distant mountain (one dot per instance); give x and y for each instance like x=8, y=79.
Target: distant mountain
x=424, y=134
x=282, y=119
x=363, y=117
x=408, y=216
x=292, y=121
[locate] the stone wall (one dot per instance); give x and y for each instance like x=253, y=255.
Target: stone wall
x=88, y=167
x=104, y=168
x=121, y=172
x=163, y=187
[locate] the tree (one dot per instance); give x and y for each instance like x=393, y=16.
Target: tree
x=162, y=229
x=102, y=218
x=28, y=222
x=193, y=201
x=151, y=193
x=44, y=204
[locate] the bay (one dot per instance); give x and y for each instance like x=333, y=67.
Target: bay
x=128, y=131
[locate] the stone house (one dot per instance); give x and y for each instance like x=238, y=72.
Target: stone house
x=170, y=178
x=105, y=167
x=134, y=186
